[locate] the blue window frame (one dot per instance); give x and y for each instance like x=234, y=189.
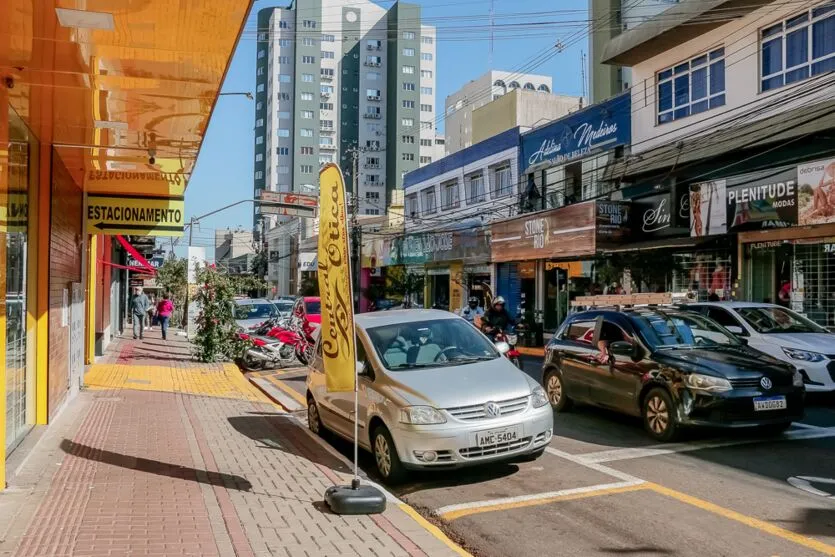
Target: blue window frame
x=691, y=87
x=798, y=48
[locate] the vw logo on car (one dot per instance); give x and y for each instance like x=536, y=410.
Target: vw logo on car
x=492, y=410
x=765, y=383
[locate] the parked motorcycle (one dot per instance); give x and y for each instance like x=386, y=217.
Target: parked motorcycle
x=267, y=351
x=297, y=333
x=510, y=338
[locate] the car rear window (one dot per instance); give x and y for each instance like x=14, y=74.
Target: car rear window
x=580, y=331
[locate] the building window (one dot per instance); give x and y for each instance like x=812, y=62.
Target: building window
x=327, y=124
x=373, y=179
x=373, y=61
x=328, y=55
x=408, y=156
x=261, y=53
x=408, y=70
x=692, y=87
x=259, y=140
x=408, y=86
x=326, y=89
x=408, y=35
x=307, y=77
x=283, y=59
x=306, y=168
x=372, y=145
x=307, y=41
x=373, y=76
x=283, y=25
x=284, y=78
x=307, y=114
x=307, y=96
x=543, y=89
x=427, y=125
x=326, y=73
x=426, y=56
x=260, y=70
x=305, y=150
x=326, y=106
x=426, y=74
x=284, y=42
x=259, y=174
x=372, y=195
x=328, y=38
x=375, y=45
x=407, y=122
x=372, y=211
x=427, y=40
x=425, y=160
x=306, y=132
x=282, y=170
x=324, y=159
x=426, y=143
x=501, y=182
x=426, y=108
x=260, y=88
x=283, y=115
x=283, y=96
x=408, y=104
x=283, y=151
x=475, y=189
x=428, y=198
x=309, y=23
x=259, y=105
x=408, y=52
x=282, y=132
x=425, y=90
x=259, y=123
x=373, y=94
x=798, y=48
x=449, y=195
x=259, y=157
x=411, y=205
x=308, y=59
x=372, y=162
x=408, y=139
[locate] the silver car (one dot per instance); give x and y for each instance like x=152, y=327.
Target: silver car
x=433, y=393
x=251, y=312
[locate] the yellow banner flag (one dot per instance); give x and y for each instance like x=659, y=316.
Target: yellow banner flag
x=334, y=259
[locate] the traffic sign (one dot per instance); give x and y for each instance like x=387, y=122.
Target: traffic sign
x=146, y=216
x=288, y=204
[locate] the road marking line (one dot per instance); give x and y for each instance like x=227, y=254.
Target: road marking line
x=434, y=530
x=451, y=512
x=807, y=426
x=577, y=459
x=656, y=450
x=756, y=523
x=805, y=483
x=288, y=390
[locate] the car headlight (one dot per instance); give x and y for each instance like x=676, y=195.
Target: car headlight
x=707, y=383
x=538, y=397
x=803, y=355
x=421, y=415
x=797, y=379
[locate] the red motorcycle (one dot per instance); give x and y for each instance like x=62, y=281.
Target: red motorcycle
x=266, y=351
x=510, y=338
x=297, y=333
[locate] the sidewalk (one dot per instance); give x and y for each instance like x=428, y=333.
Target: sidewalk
x=160, y=455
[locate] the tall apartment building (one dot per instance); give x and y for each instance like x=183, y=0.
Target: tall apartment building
x=459, y=106
x=609, y=19
x=337, y=75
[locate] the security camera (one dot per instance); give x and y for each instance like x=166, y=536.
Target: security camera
x=9, y=81
x=152, y=153
x=151, y=160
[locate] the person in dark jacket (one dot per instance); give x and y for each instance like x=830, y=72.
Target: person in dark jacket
x=496, y=318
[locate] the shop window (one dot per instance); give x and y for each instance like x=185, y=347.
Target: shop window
x=411, y=205
x=428, y=201
x=798, y=48
x=573, y=185
x=501, y=184
x=691, y=87
x=475, y=188
x=450, y=194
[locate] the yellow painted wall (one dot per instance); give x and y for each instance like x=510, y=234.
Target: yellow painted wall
x=456, y=289
x=495, y=117
x=92, y=256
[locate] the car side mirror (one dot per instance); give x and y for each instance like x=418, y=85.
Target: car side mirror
x=364, y=369
x=736, y=329
x=622, y=348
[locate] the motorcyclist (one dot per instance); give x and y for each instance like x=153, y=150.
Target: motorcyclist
x=472, y=311
x=496, y=318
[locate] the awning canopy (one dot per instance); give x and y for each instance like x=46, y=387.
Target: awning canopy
x=110, y=84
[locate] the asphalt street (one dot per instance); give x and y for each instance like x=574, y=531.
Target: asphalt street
x=604, y=488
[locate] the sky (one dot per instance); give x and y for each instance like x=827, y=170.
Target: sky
x=224, y=170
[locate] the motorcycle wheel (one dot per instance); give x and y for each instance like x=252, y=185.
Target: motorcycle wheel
x=301, y=357
x=251, y=364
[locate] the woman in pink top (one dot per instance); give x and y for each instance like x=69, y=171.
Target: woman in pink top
x=164, y=309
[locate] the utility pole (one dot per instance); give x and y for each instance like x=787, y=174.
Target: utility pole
x=356, y=232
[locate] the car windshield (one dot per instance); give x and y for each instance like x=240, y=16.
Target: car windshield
x=313, y=307
x=255, y=311
x=426, y=344
x=769, y=320
x=284, y=306
x=669, y=329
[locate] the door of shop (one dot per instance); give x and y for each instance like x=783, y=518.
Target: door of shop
x=509, y=286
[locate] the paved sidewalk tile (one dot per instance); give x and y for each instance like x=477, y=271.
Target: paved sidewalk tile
x=172, y=457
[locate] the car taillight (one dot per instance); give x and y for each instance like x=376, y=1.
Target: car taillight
x=259, y=342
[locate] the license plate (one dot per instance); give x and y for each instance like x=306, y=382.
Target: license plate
x=495, y=436
x=770, y=403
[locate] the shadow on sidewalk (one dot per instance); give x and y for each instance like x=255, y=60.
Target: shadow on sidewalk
x=229, y=481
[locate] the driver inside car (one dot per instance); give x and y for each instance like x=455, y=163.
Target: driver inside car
x=609, y=333
x=423, y=350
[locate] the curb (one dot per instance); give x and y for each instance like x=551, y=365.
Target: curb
x=275, y=394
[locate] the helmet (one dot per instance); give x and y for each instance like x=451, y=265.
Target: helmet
x=498, y=300
x=473, y=300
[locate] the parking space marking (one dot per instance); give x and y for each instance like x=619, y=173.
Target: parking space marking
x=287, y=389
x=578, y=459
x=451, y=512
x=613, y=455
x=756, y=523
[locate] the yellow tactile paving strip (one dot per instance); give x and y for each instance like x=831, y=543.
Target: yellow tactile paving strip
x=221, y=381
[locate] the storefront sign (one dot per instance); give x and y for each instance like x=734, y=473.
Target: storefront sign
x=662, y=215
x=762, y=200
x=598, y=127
x=156, y=262
x=14, y=217
x=288, y=204
x=106, y=181
x=565, y=232
x=460, y=245
x=145, y=216
x=307, y=261
x=707, y=209
x=613, y=223
x=816, y=192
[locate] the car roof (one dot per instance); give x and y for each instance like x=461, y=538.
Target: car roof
x=397, y=316
x=735, y=304
x=311, y=299
x=252, y=301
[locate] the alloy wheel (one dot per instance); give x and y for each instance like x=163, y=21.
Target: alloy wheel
x=554, y=389
x=313, y=417
x=382, y=455
x=658, y=416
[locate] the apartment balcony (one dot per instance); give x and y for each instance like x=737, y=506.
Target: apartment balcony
x=327, y=147
x=373, y=97
x=368, y=183
x=372, y=64
x=374, y=165
x=373, y=47
x=327, y=131
x=324, y=77
x=325, y=95
x=372, y=115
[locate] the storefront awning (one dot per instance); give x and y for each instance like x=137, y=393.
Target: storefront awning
x=767, y=131
x=663, y=243
x=122, y=91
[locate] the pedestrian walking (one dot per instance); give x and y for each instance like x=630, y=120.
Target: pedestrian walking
x=152, y=308
x=139, y=309
x=164, y=310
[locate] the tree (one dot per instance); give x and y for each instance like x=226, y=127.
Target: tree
x=259, y=264
x=173, y=278
x=402, y=283
x=309, y=287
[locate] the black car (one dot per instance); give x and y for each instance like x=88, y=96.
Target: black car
x=673, y=368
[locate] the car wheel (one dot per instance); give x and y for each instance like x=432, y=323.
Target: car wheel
x=555, y=389
x=659, y=415
x=314, y=420
x=385, y=457
x=774, y=429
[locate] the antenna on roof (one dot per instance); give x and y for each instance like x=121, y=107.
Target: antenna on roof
x=583, y=72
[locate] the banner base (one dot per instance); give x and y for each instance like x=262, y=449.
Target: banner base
x=355, y=499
